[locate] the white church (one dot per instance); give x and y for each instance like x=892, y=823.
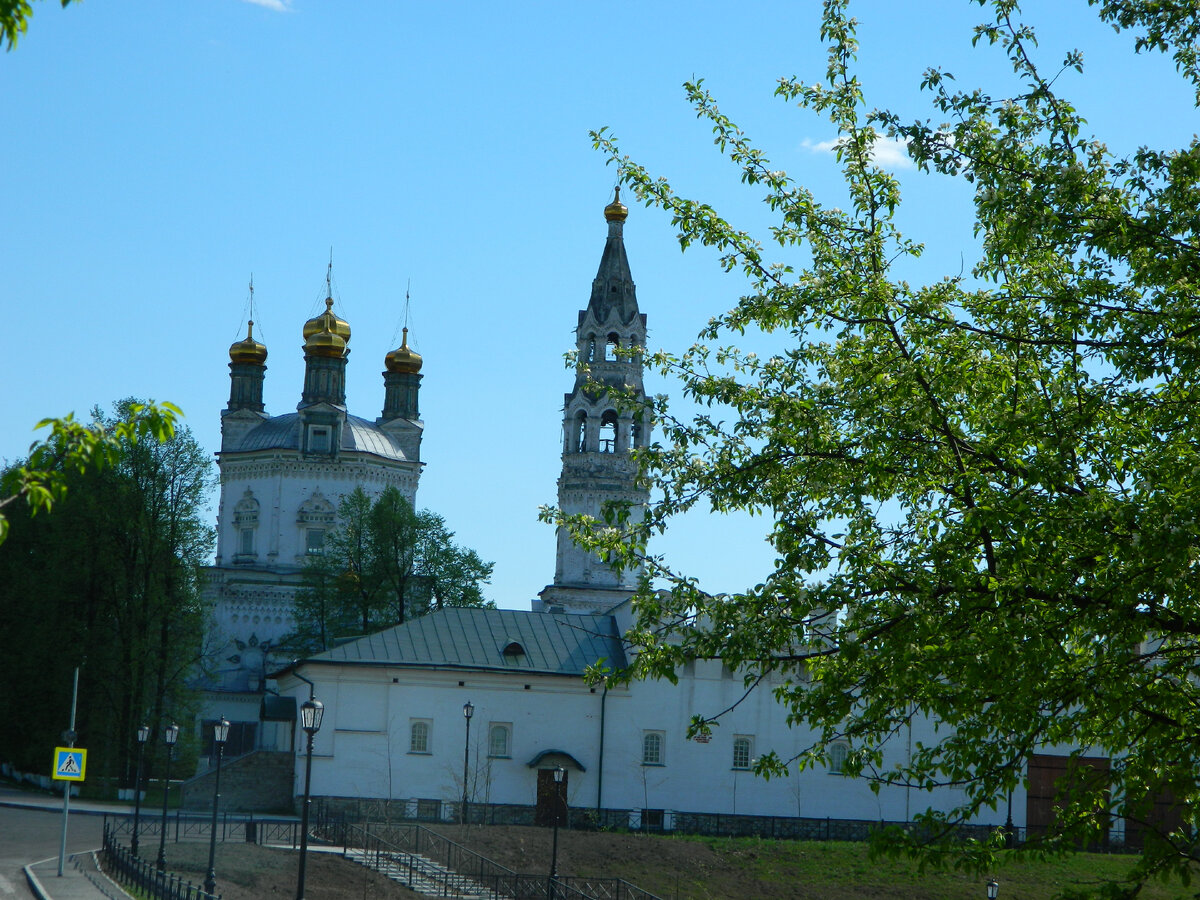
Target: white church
x=483, y=705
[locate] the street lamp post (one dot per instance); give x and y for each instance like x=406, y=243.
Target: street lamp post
x=993, y=889
x=220, y=736
x=468, y=711
x=311, y=711
x=559, y=772
x=143, y=734
x=170, y=736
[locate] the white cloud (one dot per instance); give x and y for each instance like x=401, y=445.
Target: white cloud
x=886, y=152
x=276, y=5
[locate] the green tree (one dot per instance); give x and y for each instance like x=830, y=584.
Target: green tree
x=14, y=19
x=383, y=564
x=981, y=489
x=109, y=583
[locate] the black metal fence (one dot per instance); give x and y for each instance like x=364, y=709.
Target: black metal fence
x=130, y=871
x=198, y=826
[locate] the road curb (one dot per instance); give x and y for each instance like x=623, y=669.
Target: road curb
x=34, y=884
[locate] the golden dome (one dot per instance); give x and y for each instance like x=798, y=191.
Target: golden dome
x=327, y=321
x=403, y=359
x=325, y=343
x=616, y=211
x=248, y=351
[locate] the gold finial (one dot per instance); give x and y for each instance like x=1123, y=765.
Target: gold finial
x=616, y=211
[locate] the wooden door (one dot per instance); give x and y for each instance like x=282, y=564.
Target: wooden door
x=550, y=803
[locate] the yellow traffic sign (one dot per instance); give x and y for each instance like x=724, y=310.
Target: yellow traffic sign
x=69, y=763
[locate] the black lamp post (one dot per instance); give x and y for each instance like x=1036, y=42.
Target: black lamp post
x=143, y=734
x=993, y=889
x=559, y=772
x=170, y=736
x=468, y=711
x=311, y=711
x=220, y=736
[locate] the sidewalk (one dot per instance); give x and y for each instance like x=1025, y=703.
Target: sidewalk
x=81, y=879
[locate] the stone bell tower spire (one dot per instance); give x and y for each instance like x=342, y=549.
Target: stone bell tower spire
x=602, y=422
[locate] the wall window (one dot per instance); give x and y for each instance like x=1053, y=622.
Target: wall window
x=743, y=751
x=418, y=736
x=500, y=740
x=245, y=518
x=314, y=540
x=837, y=758
x=653, y=748
x=318, y=439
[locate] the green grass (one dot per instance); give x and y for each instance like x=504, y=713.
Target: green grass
x=841, y=871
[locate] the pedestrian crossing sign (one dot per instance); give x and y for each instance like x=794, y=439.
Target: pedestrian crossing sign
x=69, y=763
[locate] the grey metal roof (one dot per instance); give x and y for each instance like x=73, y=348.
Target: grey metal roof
x=283, y=433
x=554, y=643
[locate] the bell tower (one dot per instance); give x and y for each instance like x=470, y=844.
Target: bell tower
x=602, y=422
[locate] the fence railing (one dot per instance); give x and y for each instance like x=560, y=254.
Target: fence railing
x=231, y=827
x=130, y=871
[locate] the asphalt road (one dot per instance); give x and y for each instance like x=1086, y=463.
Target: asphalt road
x=30, y=835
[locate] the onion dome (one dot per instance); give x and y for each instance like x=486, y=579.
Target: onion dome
x=616, y=211
x=325, y=343
x=403, y=359
x=248, y=351
x=327, y=321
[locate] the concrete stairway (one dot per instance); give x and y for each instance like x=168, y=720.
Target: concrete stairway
x=421, y=874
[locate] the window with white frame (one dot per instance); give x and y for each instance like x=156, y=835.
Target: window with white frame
x=500, y=740
x=419, y=736
x=837, y=758
x=653, y=747
x=743, y=751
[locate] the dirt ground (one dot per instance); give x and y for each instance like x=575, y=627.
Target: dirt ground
x=250, y=872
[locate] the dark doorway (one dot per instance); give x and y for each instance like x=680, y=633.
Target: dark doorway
x=551, y=802
x=1051, y=781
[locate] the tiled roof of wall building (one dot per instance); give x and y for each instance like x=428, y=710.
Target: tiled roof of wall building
x=498, y=639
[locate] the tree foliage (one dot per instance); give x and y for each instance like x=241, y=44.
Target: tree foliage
x=73, y=448
x=109, y=583
x=982, y=488
x=383, y=564
x=14, y=19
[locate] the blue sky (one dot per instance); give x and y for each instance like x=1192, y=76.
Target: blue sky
x=155, y=155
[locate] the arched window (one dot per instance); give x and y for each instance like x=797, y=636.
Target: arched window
x=611, y=346
x=743, y=750
x=652, y=748
x=589, y=351
x=837, y=758
x=498, y=740
x=419, y=736
x=580, y=436
x=608, y=432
